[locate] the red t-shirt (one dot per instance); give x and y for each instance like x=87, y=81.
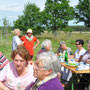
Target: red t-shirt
x=29, y=44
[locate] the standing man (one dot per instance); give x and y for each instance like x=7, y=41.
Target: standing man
x=29, y=40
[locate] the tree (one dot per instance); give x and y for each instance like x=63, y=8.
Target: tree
x=57, y=13
x=82, y=12
x=30, y=19
x=6, y=27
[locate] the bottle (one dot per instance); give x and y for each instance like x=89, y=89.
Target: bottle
x=66, y=56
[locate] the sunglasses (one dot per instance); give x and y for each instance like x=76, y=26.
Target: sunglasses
x=77, y=44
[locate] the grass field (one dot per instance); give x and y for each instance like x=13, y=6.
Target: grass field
x=69, y=38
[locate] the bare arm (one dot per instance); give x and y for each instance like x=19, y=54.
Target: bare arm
x=78, y=60
x=36, y=44
x=21, y=43
x=3, y=87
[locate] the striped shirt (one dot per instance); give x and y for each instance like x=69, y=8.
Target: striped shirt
x=3, y=61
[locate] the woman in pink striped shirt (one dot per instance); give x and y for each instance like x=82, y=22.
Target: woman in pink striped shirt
x=17, y=75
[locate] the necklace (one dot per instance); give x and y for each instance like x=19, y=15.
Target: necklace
x=29, y=39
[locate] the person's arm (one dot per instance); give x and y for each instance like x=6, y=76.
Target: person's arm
x=3, y=87
x=78, y=60
x=36, y=43
x=19, y=42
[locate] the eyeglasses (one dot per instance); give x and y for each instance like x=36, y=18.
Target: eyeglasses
x=77, y=44
x=38, y=67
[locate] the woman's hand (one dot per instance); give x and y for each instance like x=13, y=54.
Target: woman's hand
x=3, y=87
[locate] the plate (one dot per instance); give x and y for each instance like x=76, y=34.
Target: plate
x=72, y=64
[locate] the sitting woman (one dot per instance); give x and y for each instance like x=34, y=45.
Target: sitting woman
x=84, y=83
x=86, y=56
x=18, y=74
x=80, y=51
x=45, y=70
x=66, y=74
x=45, y=46
x=62, y=49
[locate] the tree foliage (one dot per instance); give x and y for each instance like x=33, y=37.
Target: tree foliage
x=29, y=19
x=82, y=11
x=55, y=16
x=6, y=25
x=57, y=13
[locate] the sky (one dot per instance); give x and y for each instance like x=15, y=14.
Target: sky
x=11, y=9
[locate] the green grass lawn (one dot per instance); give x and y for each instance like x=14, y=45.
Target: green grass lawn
x=6, y=42
x=70, y=39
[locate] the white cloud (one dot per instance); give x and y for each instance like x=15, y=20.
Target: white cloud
x=18, y=5
x=12, y=8
x=73, y=2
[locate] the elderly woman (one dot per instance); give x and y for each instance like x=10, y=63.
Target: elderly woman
x=63, y=47
x=66, y=74
x=45, y=46
x=86, y=56
x=16, y=40
x=17, y=75
x=29, y=40
x=45, y=69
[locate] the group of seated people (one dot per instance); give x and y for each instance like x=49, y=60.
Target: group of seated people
x=20, y=75
x=42, y=75
x=80, y=55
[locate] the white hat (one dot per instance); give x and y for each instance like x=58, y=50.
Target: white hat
x=29, y=31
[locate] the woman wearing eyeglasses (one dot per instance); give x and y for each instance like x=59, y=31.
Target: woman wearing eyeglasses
x=80, y=50
x=84, y=83
x=46, y=68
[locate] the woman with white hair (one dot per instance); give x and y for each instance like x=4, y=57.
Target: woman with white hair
x=45, y=46
x=16, y=40
x=45, y=70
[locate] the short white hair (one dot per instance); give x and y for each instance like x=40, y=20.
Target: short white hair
x=45, y=43
x=16, y=31
x=50, y=61
x=62, y=42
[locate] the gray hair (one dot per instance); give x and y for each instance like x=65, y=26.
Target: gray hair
x=45, y=43
x=50, y=61
x=16, y=31
x=62, y=42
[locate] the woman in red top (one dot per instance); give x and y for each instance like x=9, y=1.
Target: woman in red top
x=29, y=40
